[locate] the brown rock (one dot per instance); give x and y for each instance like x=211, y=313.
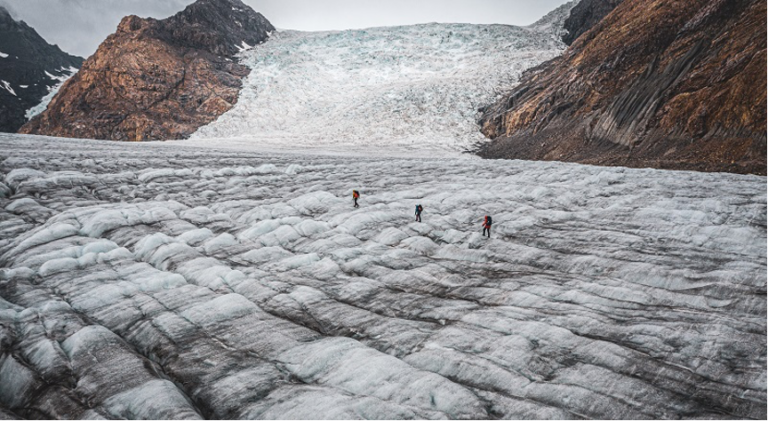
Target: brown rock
x=664, y=84
x=157, y=79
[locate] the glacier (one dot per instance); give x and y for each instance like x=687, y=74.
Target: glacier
x=401, y=89
x=177, y=282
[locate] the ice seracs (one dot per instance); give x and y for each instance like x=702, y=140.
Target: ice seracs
x=410, y=87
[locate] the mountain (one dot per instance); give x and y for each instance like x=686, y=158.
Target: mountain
x=654, y=84
x=30, y=69
x=394, y=88
x=585, y=15
x=158, y=79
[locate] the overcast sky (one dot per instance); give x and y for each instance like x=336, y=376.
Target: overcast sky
x=79, y=26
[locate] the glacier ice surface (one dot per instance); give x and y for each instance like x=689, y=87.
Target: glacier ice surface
x=167, y=281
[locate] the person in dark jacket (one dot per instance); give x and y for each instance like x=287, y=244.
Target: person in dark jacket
x=487, y=225
x=418, y=213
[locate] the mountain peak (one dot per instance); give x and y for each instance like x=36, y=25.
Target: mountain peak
x=218, y=26
x=9, y=22
x=585, y=15
x=30, y=68
x=175, y=75
x=6, y=18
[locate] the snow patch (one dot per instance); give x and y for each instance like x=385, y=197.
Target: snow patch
x=244, y=46
x=7, y=86
x=67, y=73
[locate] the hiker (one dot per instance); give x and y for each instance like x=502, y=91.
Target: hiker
x=487, y=225
x=418, y=213
x=355, y=196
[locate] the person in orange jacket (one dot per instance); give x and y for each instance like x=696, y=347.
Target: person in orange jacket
x=355, y=196
x=487, y=225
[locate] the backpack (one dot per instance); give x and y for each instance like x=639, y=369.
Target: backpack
x=419, y=208
x=488, y=220
x=355, y=194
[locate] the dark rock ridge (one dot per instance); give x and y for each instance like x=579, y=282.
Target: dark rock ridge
x=158, y=79
x=585, y=15
x=678, y=85
x=25, y=57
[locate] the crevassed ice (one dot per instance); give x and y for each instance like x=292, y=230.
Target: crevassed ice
x=412, y=87
x=158, y=281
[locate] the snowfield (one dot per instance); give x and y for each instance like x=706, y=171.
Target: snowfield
x=403, y=87
x=157, y=281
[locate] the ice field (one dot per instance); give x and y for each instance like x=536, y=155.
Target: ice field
x=158, y=281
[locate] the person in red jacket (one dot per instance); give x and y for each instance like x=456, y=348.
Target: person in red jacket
x=355, y=196
x=487, y=225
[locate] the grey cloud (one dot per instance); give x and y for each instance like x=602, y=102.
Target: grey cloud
x=346, y=14
x=79, y=26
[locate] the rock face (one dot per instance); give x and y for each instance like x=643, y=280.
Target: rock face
x=158, y=79
x=29, y=68
x=585, y=15
x=654, y=84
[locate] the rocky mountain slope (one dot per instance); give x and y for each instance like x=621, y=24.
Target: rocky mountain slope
x=30, y=69
x=666, y=84
x=158, y=79
x=585, y=15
